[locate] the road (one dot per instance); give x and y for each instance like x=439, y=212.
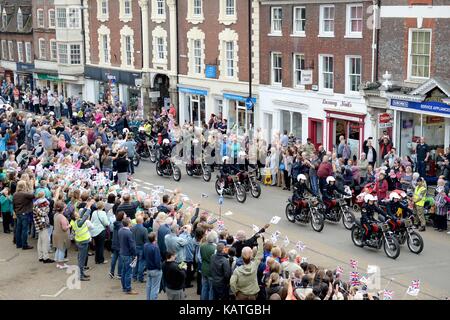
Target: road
x=23, y=277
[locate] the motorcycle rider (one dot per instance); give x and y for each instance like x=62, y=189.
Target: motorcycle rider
x=225, y=171
x=166, y=152
x=141, y=137
x=300, y=189
x=395, y=205
x=367, y=215
x=328, y=194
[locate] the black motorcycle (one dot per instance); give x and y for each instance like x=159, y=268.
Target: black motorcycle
x=165, y=167
x=340, y=211
x=250, y=183
x=234, y=188
x=305, y=211
x=198, y=169
x=404, y=232
x=381, y=236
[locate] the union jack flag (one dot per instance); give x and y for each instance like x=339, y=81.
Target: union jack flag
x=339, y=270
x=300, y=246
x=388, y=294
x=415, y=284
x=354, y=278
x=220, y=225
x=354, y=263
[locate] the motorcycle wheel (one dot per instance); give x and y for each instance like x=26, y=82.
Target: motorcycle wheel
x=176, y=173
x=290, y=212
x=348, y=219
x=153, y=156
x=158, y=169
x=391, y=247
x=189, y=171
x=357, y=233
x=207, y=175
x=217, y=187
x=145, y=154
x=415, y=242
x=136, y=160
x=317, y=222
x=256, y=190
x=356, y=208
x=241, y=195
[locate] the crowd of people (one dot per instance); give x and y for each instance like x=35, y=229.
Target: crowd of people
x=66, y=180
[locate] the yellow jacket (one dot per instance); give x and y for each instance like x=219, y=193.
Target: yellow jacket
x=420, y=193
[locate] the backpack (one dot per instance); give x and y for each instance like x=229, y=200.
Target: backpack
x=69, y=210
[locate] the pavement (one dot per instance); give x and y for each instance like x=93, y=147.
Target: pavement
x=23, y=277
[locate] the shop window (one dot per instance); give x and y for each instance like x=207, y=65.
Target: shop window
x=292, y=123
x=196, y=109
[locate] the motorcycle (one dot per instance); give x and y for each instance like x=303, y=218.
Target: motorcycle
x=136, y=160
x=341, y=211
x=305, y=211
x=234, y=188
x=381, y=236
x=165, y=167
x=196, y=169
x=143, y=150
x=403, y=231
x=153, y=147
x=248, y=180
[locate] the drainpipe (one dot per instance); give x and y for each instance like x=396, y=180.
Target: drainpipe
x=377, y=40
x=177, y=71
x=374, y=38
x=83, y=33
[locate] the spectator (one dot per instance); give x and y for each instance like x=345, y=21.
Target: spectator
x=153, y=263
x=174, y=278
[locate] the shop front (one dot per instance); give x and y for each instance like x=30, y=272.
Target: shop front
x=9, y=71
x=193, y=103
x=429, y=119
x=48, y=79
x=25, y=75
x=240, y=118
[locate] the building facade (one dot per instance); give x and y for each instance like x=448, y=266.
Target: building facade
x=16, y=41
x=45, y=46
x=214, y=60
x=316, y=56
x=413, y=75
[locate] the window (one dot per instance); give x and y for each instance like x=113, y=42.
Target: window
x=20, y=51
x=53, y=50
x=28, y=52
x=4, y=19
x=62, y=53
x=105, y=48
x=299, y=65
x=197, y=8
x=4, y=50
x=353, y=73
x=40, y=18
x=61, y=17
x=51, y=18
x=128, y=52
x=327, y=21
x=42, y=49
x=11, y=50
x=75, y=54
x=19, y=20
x=74, y=18
x=104, y=7
x=229, y=50
x=160, y=7
x=299, y=20
x=276, y=18
x=127, y=7
x=160, y=48
x=419, y=53
x=230, y=7
x=197, y=44
x=276, y=68
x=326, y=72
x=354, y=20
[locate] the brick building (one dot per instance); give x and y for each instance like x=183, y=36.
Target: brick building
x=16, y=38
x=114, y=51
x=316, y=55
x=413, y=73
x=213, y=50
x=45, y=46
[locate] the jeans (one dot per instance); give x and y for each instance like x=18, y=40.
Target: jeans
x=175, y=294
x=153, y=283
x=83, y=248
x=100, y=247
x=115, y=256
x=138, y=271
x=23, y=224
x=126, y=273
x=108, y=173
x=207, y=291
x=314, y=184
x=131, y=165
x=421, y=168
x=59, y=255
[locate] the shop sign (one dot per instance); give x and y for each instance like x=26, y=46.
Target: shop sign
x=333, y=103
x=306, y=77
x=154, y=94
x=384, y=121
x=24, y=66
x=211, y=71
x=236, y=97
x=193, y=91
x=43, y=76
x=427, y=106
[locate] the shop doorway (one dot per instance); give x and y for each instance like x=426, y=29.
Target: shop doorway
x=315, y=132
x=161, y=83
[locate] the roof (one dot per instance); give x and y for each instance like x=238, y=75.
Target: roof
x=11, y=8
x=432, y=83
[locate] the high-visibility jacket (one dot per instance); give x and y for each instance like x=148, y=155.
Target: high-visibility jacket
x=419, y=196
x=81, y=233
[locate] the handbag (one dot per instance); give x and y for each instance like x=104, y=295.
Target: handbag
x=282, y=167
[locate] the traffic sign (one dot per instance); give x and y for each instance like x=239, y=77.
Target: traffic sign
x=249, y=103
x=221, y=200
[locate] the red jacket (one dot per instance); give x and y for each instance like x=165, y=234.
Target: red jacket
x=382, y=189
x=325, y=170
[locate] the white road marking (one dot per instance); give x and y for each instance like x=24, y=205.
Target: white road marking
x=168, y=190
x=147, y=188
x=54, y=295
x=148, y=183
x=138, y=180
x=9, y=259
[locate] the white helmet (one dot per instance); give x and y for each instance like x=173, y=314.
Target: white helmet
x=225, y=158
x=51, y=113
x=394, y=195
x=195, y=141
x=125, y=130
x=166, y=141
x=141, y=129
x=369, y=197
x=330, y=178
x=301, y=177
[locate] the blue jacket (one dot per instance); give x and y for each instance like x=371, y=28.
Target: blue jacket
x=189, y=248
x=176, y=244
x=127, y=243
x=152, y=256
x=162, y=232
